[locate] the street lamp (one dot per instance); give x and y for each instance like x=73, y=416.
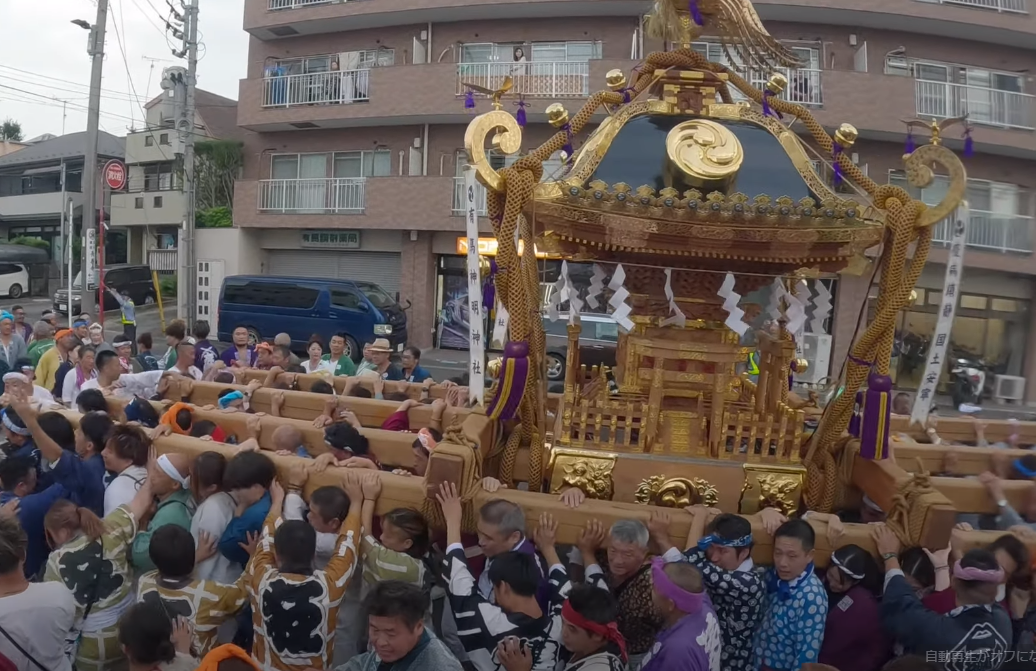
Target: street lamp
x=85, y=25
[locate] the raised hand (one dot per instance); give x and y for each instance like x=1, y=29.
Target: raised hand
x=371, y=486
x=590, y=540
x=546, y=533
x=183, y=633
x=513, y=655
x=449, y=501
x=251, y=543
x=572, y=497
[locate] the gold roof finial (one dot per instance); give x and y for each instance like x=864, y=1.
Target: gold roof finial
x=497, y=94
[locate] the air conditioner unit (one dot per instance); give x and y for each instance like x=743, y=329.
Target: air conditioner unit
x=1009, y=388
x=898, y=66
x=816, y=348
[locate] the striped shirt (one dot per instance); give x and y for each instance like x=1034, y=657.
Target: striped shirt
x=481, y=625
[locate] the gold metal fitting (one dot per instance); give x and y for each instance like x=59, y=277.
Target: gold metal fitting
x=846, y=135
x=913, y=296
x=800, y=366
x=616, y=79
x=557, y=115
x=777, y=83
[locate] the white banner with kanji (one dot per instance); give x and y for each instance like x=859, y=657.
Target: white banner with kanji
x=476, y=320
x=947, y=309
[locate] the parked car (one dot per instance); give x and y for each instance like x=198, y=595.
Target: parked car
x=14, y=279
x=597, y=343
x=301, y=306
x=136, y=279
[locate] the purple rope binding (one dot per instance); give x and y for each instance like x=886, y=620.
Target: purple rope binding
x=489, y=288
x=520, y=114
x=469, y=100
x=695, y=12
x=910, y=141
x=969, y=144
x=837, y=164
x=567, y=148
x=766, y=103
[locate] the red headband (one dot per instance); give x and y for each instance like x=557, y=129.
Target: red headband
x=609, y=631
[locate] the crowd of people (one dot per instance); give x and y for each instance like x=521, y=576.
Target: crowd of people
x=113, y=557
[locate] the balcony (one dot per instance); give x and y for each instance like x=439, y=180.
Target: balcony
x=295, y=4
x=1016, y=6
x=993, y=232
x=336, y=195
x=804, y=85
x=984, y=106
x=458, y=198
x=321, y=88
x=535, y=79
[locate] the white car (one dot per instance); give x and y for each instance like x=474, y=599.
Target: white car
x=14, y=279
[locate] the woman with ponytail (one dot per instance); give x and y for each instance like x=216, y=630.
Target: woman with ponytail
x=853, y=636
x=152, y=641
x=90, y=556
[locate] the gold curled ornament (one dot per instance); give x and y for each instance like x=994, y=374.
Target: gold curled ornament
x=507, y=139
x=657, y=490
x=920, y=174
x=704, y=150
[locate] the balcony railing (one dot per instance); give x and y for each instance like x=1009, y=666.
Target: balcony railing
x=1016, y=6
x=336, y=195
x=458, y=197
x=804, y=86
x=294, y=4
x=982, y=105
x=321, y=88
x=992, y=231
x=543, y=78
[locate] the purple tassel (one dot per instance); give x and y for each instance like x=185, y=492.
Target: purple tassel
x=969, y=144
x=854, y=422
x=469, y=100
x=511, y=382
x=910, y=141
x=489, y=289
x=626, y=94
x=520, y=114
x=877, y=409
x=766, y=103
x=837, y=163
x=567, y=148
x=696, y=13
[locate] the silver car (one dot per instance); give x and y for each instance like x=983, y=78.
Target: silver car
x=597, y=343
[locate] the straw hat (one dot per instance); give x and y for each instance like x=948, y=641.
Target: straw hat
x=381, y=345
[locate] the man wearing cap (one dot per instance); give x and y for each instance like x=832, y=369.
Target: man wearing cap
x=42, y=340
x=12, y=345
x=168, y=478
x=380, y=352
x=129, y=314
x=690, y=639
x=47, y=368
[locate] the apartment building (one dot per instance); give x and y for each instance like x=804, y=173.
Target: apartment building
x=358, y=116
x=152, y=207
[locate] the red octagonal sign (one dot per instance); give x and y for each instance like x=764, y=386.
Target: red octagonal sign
x=115, y=175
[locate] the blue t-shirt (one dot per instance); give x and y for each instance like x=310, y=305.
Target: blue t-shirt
x=418, y=375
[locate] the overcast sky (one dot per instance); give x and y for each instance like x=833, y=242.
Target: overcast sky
x=44, y=56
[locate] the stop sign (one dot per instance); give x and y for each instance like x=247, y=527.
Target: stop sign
x=115, y=175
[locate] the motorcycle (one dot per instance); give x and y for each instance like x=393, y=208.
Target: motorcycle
x=968, y=381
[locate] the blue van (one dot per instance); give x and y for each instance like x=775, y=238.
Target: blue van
x=302, y=306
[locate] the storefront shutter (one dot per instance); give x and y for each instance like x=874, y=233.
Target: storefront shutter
x=382, y=268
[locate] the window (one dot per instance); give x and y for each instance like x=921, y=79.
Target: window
x=270, y=294
x=160, y=177
x=376, y=295
x=163, y=139
x=608, y=331
x=343, y=298
x=363, y=163
x=158, y=201
x=149, y=140
x=565, y=51
x=376, y=58
x=138, y=203
x=300, y=66
x=299, y=166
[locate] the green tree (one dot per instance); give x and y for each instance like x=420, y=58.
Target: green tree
x=214, y=217
x=217, y=164
x=11, y=130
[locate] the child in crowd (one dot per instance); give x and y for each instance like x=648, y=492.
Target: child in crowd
x=281, y=573
x=90, y=556
x=247, y=479
x=215, y=511
x=402, y=552
x=854, y=639
x=204, y=603
x=151, y=639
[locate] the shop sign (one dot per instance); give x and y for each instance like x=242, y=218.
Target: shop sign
x=488, y=247
x=947, y=310
x=331, y=239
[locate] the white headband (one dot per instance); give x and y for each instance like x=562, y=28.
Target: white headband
x=15, y=377
x=844, y=569
x=170, y=470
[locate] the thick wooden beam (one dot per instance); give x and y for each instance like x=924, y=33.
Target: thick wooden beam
x=962, y=429
x=966, y=460
x=970, y=496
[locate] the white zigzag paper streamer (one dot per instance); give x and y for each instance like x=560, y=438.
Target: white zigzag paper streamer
x=557, y=296
x=620, y=309
x=596, y=286
x=676, y=315
x=571, y=294
x=797, y=308
x=821, y=308
x=777, y=291
x=735, y=319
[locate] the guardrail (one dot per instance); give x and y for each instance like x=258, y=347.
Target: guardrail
x=1015, y=6
x=804, y=85
x=336, y=87
x=334, y=195
x=982, y=105
x=294, y=4
x=458, y=197
x=992, y=231
x=535, y=78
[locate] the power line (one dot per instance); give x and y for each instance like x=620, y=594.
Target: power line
x=57, y=79
x=80, y=95
x=129, y=77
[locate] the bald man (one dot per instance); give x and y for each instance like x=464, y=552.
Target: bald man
x=287, y=441
x=168, y=477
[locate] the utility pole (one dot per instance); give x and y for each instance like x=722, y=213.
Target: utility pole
x=185, y=127
x=90, y=181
